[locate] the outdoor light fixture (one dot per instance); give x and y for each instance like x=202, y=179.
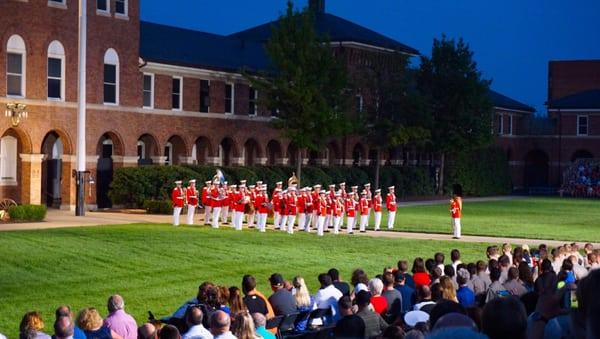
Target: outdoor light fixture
x=16, y=112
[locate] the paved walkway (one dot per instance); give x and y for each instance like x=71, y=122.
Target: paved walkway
x=58, y=219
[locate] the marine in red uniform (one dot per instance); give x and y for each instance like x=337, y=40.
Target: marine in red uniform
x=363, y=205
x=292, y=209
x=216, y=198
x=206, y=202
x=455, y=213
x=350, y=212
x=390, y=204
x=191, y=196
x=178, y=200
x=377, y=203
x=276, y=202
x=262, y=205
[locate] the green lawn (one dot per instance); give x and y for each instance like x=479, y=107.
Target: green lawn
x=157, y=267
x=539, y=218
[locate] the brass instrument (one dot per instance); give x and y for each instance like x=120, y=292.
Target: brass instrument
x=293, y=180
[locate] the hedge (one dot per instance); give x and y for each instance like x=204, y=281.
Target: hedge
x=27, y=212
x=158, y=206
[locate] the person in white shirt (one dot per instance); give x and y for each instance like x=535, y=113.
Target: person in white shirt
x=193, y=318
x=327, y=296
x=219, y=326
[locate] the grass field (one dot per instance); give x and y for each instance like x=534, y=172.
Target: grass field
x=157, y=267
x=536, y=218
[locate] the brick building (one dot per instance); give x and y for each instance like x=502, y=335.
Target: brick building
x=162, y=95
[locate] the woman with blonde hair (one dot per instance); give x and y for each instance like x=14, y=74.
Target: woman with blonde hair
x=236, y=303
x=448, y=291
x=243, y=326
x=31, y=326
x=90, y=321
x=304, y=301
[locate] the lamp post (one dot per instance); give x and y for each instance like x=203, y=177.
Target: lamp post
x=81, y=107
x=16, y=112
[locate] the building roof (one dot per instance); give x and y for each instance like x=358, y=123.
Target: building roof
x=185, y=47
x=579, y=100
x=337, y=29
x=502, y=101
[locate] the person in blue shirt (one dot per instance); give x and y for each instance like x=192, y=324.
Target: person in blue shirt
x=465, y=296
x=403, y=268
x=408, y=293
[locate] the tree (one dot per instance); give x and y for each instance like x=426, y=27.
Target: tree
x=306, y=85
x=396, y=115
x=458, y=98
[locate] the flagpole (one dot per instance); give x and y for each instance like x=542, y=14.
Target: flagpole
x=81, y=106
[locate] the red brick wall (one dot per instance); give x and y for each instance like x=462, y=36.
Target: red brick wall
x=569, y=77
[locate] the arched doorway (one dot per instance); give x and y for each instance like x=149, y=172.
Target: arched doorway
x=581, y=154
x=226, y=152
x=312, y=157
x=146, y=149
x=273, y=152
x=358, y=154
x=251, y=152
x=201, y=150
x=108, y=145
x=174, y=150
x=536, y=169
x=292, y=154
x=13, y=142
x=53, y=149
x=333, y=154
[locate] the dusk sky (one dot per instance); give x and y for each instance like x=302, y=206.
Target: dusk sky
x=513, y=40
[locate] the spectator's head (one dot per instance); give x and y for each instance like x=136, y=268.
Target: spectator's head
x=462, y=276
x=302, y=295
x=414, y=334
x=243, y=326
x=359, y=277
x=448, y=291
x=193, y=316
x=276, y=281
x=219, y=323
x=203, y=291
x=63, y=327
x=147, y=331
x=506, y=248
x=324, y=280
x=429, y=264
x=334, y=274
x=223, y=294
x=495, y=274
x=504, y=318
x=504, y=261
x=546, y=266
x=481, y=266
x=403, y=266
x=235, y=300
x=212, y=297
x=169, y=332
x=493, y=263
x=513, y=273
x=248, y=283
x=436, y=273
x=400, y=278
x=449, y=270
x=436, y=292
x=393, y=332
x=442, y=308
x=115, y=303
x=454, y=255
x=472, y=268
x=387, y=269
x=418, y=266
x=32, y=322
x=439, y=258
x=525, y=274
x=567, y=265
x=375, y=286
x=63, y=311
x=492, y=252
x=423, y=293
x=259, y=320
x=588, y=248
x=363, y=299
x=345, y=305
x=388, y=280
x=89, y=319
x=455, y=320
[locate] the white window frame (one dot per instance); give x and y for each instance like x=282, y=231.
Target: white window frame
x=103, y=11
x=142, y=156
x=510, y=124
x=57, y=51
x=361, y=103
x=180, y=93
x=255, y=102
x=16, y=45
x=62, y=4
x=124, y=15
x=232, y=98
x=587, y=124
x=151, y=75
x=500, y=126
x=111, y=57
x=8, y=162
x=208, y=106
x=169, y=160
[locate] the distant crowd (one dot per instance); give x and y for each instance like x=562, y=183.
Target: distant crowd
x=582, y=179
x=516, y=293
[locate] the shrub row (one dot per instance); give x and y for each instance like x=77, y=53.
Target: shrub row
x=27, y=213
x=158, y=206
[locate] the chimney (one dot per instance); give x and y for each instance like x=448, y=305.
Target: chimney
x=317, y=6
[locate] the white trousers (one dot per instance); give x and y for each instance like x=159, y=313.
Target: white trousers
x=276, y=220
x=315, y=219
x=190, y=214
x=283, y=222
x=351, y=221
x=290, y=227
x=456, y=227
x=262, y=222
x=329, y=221
x=176, y=213
x=336, y=224
x=364, y=220
x=224, y=214
x=391, y=218
x=320, y=225
x=302, y=221
x=215, y=216
x=377, y=220
x=251, y=219
x=238, y=218
x=207, y=214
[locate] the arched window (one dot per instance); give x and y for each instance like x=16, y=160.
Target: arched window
x=56, y=71
x=15, y=66
x=169, y=153
x=111, y=77
x=141, y=149
x=8, y=160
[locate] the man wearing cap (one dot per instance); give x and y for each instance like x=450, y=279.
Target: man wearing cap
x=330, y=200
x=338, y=212
x=455, y=209
x=367, y=188
x=363, y=205
x=262, y=206
x=390, y=204
x=374, y=324
x=292, y=207
x=350, y=212
x=322, y=213
x=252, y=194
x=301, y=207
x=283, y=209
x=377, y=202
x=225, y=203
x=191, y=195
x=178, y=199
x=276, y=195
x=316, y=200
x=308, y=209
x=216, y=198
x=344, y=195
x=239, y=206
x=281, y=300
x=206, y=202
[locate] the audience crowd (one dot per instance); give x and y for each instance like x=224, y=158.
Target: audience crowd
x=515, y=293
x=582, y=179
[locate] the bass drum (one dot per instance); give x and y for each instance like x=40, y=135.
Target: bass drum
x=249, y=208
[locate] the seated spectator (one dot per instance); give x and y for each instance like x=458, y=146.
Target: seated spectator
x=254, y=300
x=378, y=301
x=450, y=272
x=200, y=299
x=327, y=296
x=147, y=331
x=464, y=295
x=304, y=301
x=476, y=284
x=448, y=290
x=243, y=326
x=260, y=323
x=406, y=292
x=63, y=328
x=90, y=321
x=513, y=284
x=281, y=300
x=65, y=311
x=504, y=318
x=436, y=274
x=496, y=289
x=567, y=268
x=31, y=326
x=420, y=275
x=439, y=260
x=350, y=325
x=453, y=320
x=436, y=292
x=236, y=303
x=507, y=251
x=505, y=265
x=403, y=268
x=547, y=280
x=117, y=320
x=219, y=325
x=374, y=324
x=359, y=281
x=223, y=299
x=442, y=308
x=338, y=283
x=168, y=332
x=196, y=329
x=392, y=296
x=423, y=298
x=525, y=276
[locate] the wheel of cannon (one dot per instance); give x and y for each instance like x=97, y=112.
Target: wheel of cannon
x=6, y=203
